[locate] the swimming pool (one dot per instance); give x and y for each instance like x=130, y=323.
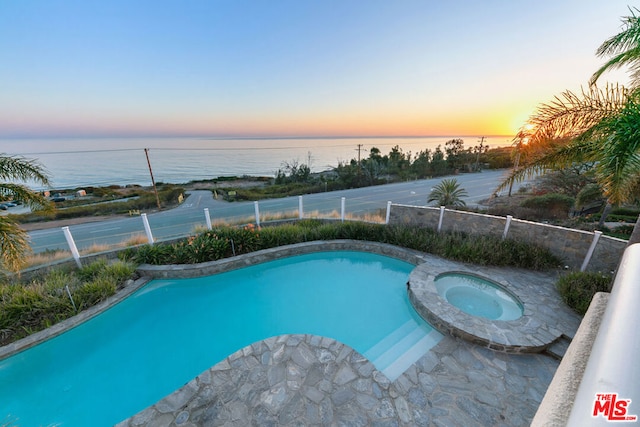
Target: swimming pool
x=171, y=330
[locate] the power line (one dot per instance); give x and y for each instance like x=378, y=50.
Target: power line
x=114, y=150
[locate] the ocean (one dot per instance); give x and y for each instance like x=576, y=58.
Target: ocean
x=79, y=162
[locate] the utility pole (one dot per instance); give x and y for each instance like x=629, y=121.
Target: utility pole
x=359, y=162
x=479, y=151
x=359, y=149
x=153, y=181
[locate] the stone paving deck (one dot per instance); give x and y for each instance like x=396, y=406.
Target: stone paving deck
x=310, y=380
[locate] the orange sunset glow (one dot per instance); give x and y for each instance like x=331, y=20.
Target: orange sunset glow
x=423, y=68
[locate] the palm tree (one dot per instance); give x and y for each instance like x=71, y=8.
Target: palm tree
x=14, y=242
x=623, y=48
x=601, y=126
x=448, y=193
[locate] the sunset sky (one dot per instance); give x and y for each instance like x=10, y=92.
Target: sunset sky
x=291, y=68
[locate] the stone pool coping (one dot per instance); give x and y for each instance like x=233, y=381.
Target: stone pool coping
x=539, y=326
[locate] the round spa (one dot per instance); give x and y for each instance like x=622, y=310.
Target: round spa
x=478, y=297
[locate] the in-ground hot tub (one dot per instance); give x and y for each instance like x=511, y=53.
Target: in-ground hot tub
x=528, y=298
x=478, y=296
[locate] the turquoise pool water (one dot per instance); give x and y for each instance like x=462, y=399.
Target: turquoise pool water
x=478, y=297
x=168, y=332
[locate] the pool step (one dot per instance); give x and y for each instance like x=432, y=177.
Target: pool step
x=411, y=355
x=395, y=353
x=390, y=340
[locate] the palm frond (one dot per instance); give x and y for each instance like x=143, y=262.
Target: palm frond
x=629, y=58
x=626, y=39
x=623, y=47
x=10, y=191
x=14, y=241
x=571, y=115
x=14, y=245
x=634, y=72
x=19, y=168
x=557, y=158
x=619, y=154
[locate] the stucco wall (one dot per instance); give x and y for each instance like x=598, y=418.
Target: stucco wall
x=568, y=244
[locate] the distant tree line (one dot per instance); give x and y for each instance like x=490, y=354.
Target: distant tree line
x=398, y=165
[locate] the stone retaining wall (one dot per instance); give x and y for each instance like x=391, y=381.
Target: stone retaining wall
x=568, y=244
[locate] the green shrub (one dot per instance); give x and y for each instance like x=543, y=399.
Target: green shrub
x=93, y=292
x=214, y=244
x=244, y=239
x=590, y=193
x=119, y=271
x=287, y=234
x=578, y=288
x=498, y=158
x=357, y=230
x=549, y=201
x=150, y=254
x=632, y=212
x=204, y=247
x=29, y=307
x=91, y=271
x=621, y=231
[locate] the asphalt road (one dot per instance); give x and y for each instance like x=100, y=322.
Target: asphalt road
x=189, y=216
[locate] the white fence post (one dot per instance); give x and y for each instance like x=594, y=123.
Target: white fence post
x=147, y=229
x=342, y=199
x=72, y=245
x=506, y=227
x=594, y=242
x=441, y=217
x=300, y=208
x=256, y=208
x=207, y=218
x=386, y=221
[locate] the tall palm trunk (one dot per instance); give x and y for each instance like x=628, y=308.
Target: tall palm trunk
x=635, y=234
x=605, y=214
